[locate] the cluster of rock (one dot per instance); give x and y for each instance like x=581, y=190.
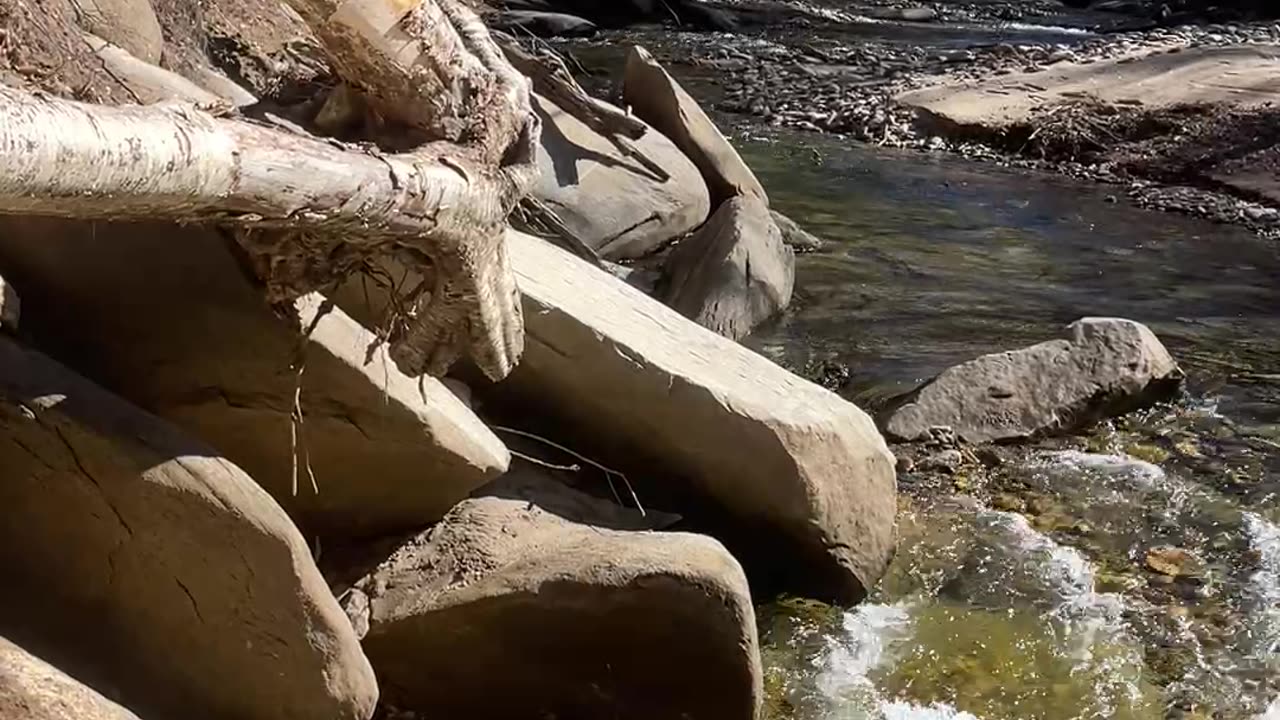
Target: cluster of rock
x=212, y=513
x=734, y=266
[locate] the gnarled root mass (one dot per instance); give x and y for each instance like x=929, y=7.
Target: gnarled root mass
x=309, y=211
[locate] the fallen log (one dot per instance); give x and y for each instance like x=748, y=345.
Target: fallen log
x=310, y=211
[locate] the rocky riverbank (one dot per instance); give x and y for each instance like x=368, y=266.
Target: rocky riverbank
x=226, y=501
x=839, y=70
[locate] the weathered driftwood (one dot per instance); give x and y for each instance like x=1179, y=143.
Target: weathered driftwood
x=75, y=160
x=309, y=211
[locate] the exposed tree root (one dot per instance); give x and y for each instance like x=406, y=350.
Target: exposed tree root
x=308, y=211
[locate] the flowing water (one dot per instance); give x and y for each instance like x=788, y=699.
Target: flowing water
x=1027, y=589
x=1022, y=591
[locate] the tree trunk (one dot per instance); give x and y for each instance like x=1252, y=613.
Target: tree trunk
x=326, y=208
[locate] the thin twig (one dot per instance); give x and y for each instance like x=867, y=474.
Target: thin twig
x=545, y=464
x=608, y=471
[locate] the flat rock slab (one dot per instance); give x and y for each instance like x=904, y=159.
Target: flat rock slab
x=1241, y=76
x=32, y=689
x=528, y=601
x=803, y=477
x=613, y=202
x=138, y=559
x=1103, y=367
x=655, y=97
x=164, y=316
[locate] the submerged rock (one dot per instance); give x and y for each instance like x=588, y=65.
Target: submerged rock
x=534, y=600
x=614, y=203
x=656, y=98
x=796, y=480
x=798, y=238
x=32, y=689
x=1104, y=367
x=139, y=559
x=734, y=273
x=1171, y=561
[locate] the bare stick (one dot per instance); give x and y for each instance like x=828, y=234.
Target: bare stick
x=609, y=472
x=545, y=464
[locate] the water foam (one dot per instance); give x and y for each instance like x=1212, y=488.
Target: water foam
x=1264, y=587
x=901, y=710
x=870, y=632
x=1140, y=472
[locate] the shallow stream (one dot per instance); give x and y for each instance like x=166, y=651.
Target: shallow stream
x=1130, y=573
x=1022, y=589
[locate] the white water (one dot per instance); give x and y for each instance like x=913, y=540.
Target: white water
x=1264, y=590
x=870, y=634
x=1142, y=473
x=1059, y=578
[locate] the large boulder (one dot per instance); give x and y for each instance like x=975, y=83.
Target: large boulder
x=655, y=97
x=613, y=202
x=140, y=560
x=1103, y=367
x=32, y=689
x=165, y=317
x=797, y=481
x=735, y=272
x=529, y=601
x=129, y=24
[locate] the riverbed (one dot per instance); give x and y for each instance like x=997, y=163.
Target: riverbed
x=1021, y=589
x=1131, y=572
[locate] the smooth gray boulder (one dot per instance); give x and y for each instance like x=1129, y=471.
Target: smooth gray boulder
x=612, y=202
x=1103, y=367
x=138, y=559
x=655, y=97
x=734, y=273
x=534, y=600
x=797, y=481
x=32, y=689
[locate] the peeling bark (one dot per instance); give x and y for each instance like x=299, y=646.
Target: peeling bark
x=310, y=211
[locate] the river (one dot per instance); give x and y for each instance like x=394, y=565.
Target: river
x=1020, y=592
x=1023, y=589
